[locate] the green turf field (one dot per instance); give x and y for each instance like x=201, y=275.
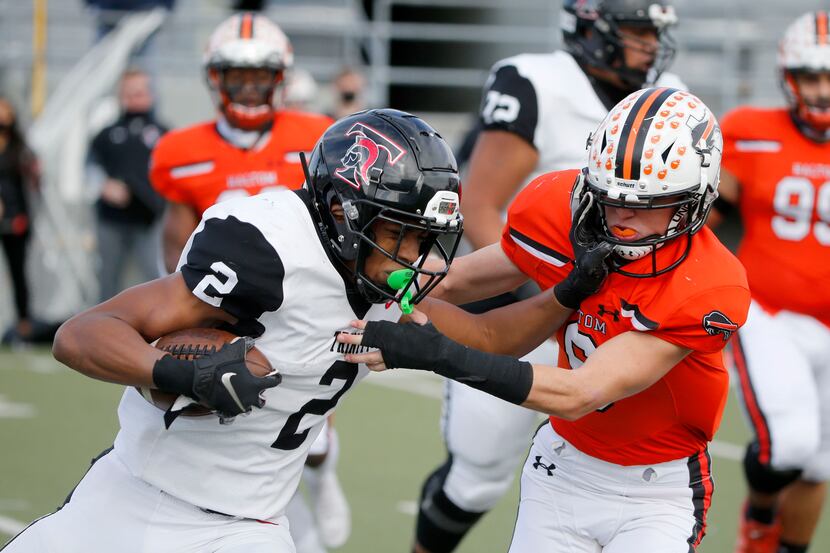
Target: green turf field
x=52, y=421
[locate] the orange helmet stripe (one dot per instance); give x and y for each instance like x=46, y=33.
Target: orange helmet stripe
x=634, y=126
x=821, y=27
x=246, y=26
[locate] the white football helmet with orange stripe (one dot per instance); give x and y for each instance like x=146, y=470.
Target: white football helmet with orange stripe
x=805, y=48
x=659, y=147
x=247, y=41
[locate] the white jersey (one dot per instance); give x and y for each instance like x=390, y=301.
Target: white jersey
x=549, y=101
x=261, y=260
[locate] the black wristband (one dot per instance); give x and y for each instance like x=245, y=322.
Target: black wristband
x=174, y=375
x=422, y=347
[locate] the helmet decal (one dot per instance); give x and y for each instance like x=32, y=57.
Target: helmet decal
x=635, y=130
x=362, y=156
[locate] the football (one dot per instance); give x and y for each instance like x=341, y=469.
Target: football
x=191, y=344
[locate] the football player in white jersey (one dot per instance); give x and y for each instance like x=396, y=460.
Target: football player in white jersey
x=290, y=268
x=536, y=112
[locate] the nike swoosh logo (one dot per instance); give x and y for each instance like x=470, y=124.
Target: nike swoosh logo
x=226, y=382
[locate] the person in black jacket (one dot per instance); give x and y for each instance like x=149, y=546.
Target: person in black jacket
x=128, y=207
x=18, y=170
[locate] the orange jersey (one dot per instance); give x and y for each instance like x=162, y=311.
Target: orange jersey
x=785, y=208
x=197, y=167
x=698, y=305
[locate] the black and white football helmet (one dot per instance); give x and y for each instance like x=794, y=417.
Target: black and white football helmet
x=385, y=164
x=591, y=32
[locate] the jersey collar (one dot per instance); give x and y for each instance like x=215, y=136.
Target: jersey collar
x=245, y=140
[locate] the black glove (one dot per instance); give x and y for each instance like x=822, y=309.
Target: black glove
x=410, y=345
x=220, y=381
x=590, y=255
x=423, y=347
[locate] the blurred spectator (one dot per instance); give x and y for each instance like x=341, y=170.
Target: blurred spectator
x=300, y=90
x=18, y=171
x=128, y=209
x=349, y=92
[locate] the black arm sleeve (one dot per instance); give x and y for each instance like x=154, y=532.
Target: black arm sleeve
x=422, y=347
x=510, y=104
x=230, y=264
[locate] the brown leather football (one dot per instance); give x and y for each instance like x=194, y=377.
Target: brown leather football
x=190, y=344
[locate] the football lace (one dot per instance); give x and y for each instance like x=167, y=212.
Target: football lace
x=189, y=352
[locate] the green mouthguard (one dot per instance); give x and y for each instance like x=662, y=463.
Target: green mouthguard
x=398, y=280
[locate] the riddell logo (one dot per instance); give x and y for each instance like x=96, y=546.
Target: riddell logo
x=718, y=323
x=365, y=153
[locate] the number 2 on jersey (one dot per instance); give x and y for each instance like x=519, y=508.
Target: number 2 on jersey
x=221, y=288
x=289, y=438
x=793, y=202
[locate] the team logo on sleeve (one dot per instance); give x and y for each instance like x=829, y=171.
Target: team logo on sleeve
x=718, y=323
x=362, y=156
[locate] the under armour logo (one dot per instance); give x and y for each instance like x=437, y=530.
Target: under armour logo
x=614, y=313
x=539, y=464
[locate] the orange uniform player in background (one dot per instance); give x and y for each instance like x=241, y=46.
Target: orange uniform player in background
x=250, y=147
x=198, y=167
x=777, y=173
x=785, y=209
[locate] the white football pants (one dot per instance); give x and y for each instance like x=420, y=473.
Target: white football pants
x=111, y=510
x=574, y=503
x=783, y=368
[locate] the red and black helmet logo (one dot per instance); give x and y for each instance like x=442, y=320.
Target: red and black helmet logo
x=717, y=323
x=361, y=156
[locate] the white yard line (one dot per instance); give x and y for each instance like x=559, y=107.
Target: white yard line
x=432, y=386
x=12, y=410
x=10, y=526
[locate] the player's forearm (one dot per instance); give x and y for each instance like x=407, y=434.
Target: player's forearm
x=179, y=222
x=102, y=346
x=496, y=331
x=173, y=242
x=480, y=275
x=561, y=393
x=482, y=223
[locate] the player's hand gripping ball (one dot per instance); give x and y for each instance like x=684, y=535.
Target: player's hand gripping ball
x=192, y=344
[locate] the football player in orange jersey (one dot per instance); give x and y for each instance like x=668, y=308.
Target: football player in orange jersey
x=252, y=146
x=640, y=386
x=777, y=173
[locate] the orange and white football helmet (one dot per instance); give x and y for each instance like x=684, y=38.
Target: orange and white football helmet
x=805, y=48
x=247, y=41
x=657, y=148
